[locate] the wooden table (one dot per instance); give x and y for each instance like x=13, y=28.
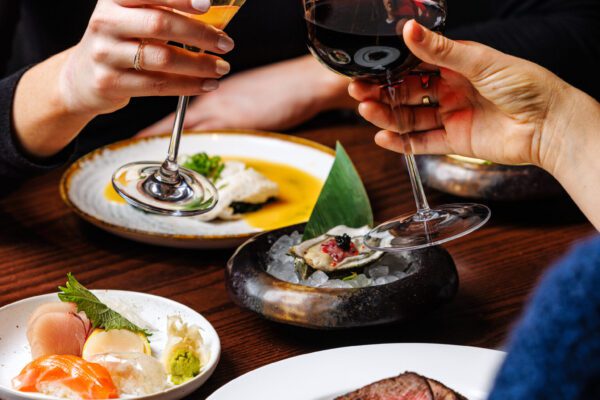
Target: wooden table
x=41, y=240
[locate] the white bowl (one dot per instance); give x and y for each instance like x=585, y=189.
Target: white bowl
x=154, y=310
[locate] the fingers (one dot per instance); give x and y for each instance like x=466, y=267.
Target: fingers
x=467, y=58
x=411, y=91
x=189, y=6
x=401, y=119
x=158, y=24
x=109, y=83
x=431, y=142
x=159, y=57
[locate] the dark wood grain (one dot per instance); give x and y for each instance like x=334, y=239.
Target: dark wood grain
x=41, y=240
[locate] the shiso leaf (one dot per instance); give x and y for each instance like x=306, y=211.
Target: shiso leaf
x=99, y=314
x=343, y=199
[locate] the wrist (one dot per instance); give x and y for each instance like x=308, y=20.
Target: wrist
x=333, y=89
x=42, y=121
x=571, y=134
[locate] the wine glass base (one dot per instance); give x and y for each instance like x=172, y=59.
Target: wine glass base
x=434, y=227
x=140, y=184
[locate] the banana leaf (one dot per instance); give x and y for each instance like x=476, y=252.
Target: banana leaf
x=343, y=199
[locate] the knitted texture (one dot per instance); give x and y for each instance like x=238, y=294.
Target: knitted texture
x=554, y=353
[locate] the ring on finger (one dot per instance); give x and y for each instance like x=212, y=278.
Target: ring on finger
x=139, y=56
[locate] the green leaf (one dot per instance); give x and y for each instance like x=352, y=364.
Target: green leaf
x=99, y=314
x=343, y=199
x=202, y=163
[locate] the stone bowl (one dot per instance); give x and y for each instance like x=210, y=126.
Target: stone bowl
x=432, y=282
x=490, y=182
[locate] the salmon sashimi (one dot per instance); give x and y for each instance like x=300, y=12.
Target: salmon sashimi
x=57, y=328
x=66, y=376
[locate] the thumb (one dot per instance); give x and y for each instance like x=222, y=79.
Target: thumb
x=466, y=58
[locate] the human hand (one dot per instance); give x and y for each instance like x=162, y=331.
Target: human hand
x=274, y=97
x=489, y=105
x=98, y=74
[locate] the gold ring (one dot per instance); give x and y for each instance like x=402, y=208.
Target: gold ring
x=137, y=60
x=426, y=100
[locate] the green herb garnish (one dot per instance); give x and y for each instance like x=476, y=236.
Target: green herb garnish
x=350, y=277
x=202, y=163
x=99, y=314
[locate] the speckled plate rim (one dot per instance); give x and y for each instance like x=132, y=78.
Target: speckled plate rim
x=128, y=232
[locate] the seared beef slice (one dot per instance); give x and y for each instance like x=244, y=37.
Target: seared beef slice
x=407, y=386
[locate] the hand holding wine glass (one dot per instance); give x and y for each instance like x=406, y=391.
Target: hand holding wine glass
x=489, y=105
x=363, y=39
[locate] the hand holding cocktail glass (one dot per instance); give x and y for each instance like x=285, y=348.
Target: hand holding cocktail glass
x=166, y=188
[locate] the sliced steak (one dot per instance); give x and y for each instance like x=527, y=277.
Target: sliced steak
x=442, y=392
x=408, y=386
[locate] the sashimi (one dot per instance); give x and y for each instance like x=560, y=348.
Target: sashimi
x=57, y=328
x=66, y=376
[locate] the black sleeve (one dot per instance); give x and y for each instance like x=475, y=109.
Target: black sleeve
x=14, y=165
x=561, y=35
x=9, y=15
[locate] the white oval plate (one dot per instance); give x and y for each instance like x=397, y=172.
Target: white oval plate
x=83, y=184
x=326, y=374
x=154, y=310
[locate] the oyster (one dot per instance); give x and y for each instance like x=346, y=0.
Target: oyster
x=340, y=248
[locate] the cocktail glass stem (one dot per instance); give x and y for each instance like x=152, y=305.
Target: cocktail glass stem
x=169, y=170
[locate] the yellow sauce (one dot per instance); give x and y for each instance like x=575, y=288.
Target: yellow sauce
x=298, y=193
x=111, y=194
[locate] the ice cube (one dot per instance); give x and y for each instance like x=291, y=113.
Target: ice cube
x=362, y=280
x=383, y=280
x=376, y=271
x=318, y=278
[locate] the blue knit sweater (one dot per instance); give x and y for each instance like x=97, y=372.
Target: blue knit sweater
x=554, y=353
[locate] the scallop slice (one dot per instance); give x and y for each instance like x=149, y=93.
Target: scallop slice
x=115, y=341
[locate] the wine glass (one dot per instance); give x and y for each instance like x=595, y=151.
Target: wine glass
x=167, y=188
x=363, y=39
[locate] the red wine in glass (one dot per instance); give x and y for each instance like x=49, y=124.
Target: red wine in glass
x=362, y=39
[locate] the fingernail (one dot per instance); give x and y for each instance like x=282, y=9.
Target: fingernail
x=210, y=85
x=201, y=5
x=418, y=33
x=225, y=43
x=223, y=67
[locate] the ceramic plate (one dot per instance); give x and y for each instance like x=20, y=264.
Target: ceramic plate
x=84, y=184
x=153, y=310
x=327, y=374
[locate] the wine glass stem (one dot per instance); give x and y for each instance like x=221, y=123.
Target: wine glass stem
x=423, y=210
x=169, y=170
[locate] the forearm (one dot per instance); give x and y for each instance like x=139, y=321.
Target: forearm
x=576, y=163
x=42, y=123
x=332, y=87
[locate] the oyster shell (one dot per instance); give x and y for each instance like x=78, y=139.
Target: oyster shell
x=324, y=253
